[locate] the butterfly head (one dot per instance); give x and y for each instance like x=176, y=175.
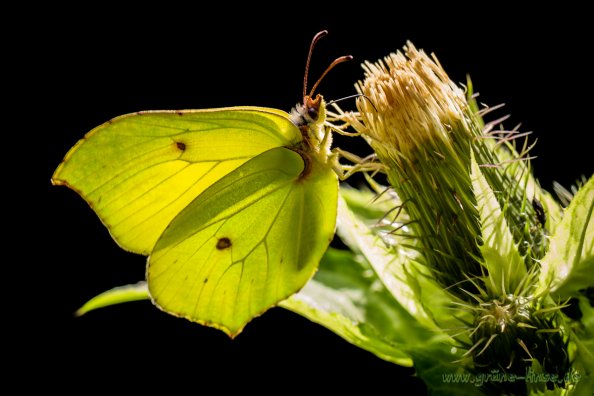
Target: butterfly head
x=312, y=107
x=311, y=111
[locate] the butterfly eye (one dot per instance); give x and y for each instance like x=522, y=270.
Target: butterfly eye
x=312, y=112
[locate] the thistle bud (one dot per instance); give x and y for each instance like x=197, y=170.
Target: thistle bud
x=420, y=126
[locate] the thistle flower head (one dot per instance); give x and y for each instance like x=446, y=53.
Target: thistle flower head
x=418, y=122
x=410, y=93
x=428, y=133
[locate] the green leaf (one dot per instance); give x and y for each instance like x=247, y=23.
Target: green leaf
x=584, y=367
x=347, y=297
x=587, y=321
x=500, y=253
x=582, y=336
x=117, y=295
x=569, y=264
x=389, y=264
x=368, y=206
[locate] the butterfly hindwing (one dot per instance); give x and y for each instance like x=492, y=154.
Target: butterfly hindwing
x=249, y=241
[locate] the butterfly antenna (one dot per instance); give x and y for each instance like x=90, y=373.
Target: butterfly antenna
x=311, y=47
x=336, y=62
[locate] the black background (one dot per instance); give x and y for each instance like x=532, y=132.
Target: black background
x=85, y=66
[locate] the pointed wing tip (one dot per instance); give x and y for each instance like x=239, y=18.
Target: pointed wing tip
x=230, y=333
x=58, y=179
x=55, y=181
x=233, y=333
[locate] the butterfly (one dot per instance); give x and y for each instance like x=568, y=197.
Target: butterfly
x=233, y=206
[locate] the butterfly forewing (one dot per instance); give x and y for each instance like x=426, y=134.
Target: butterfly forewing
x=140, y=170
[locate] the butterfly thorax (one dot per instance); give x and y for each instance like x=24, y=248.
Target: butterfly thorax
x=310, y=118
